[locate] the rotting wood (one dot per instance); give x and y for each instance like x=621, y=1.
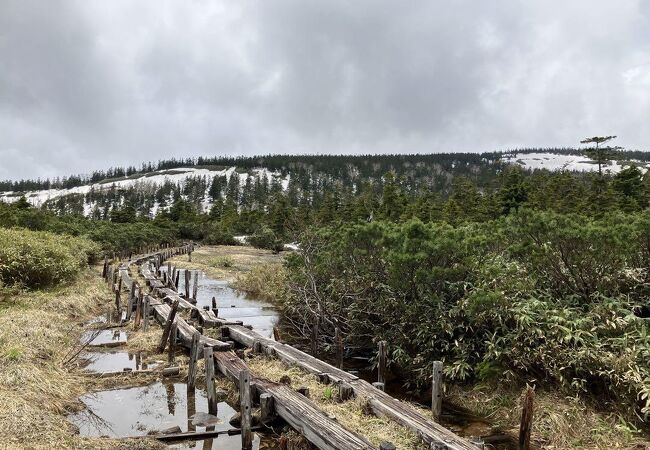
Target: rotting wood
x=168, y=326
x=172, y=343
x=525, y=426
x=436, y=390
x=379, y=403
x=171, y=371
x=209, y=380
x=295, y=409
x=197, y=435
x=145, y=313
x=381, y=363
x=245, y=409
x=267, y=410
x=187, y=284
x=185, y=330
x=129, y=305
x=194, y=355
x=195, y=285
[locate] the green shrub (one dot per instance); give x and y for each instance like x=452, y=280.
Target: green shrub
x=265, y=238
x=37, y=259
x=218, y=235
x=535, y=295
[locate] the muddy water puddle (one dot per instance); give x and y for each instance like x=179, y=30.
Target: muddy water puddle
x=102, y=337
x=233, y=304
x=139, y=411
x=109, y=318
x=100, y=362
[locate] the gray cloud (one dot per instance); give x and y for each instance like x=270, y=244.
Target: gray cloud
x=88, y=84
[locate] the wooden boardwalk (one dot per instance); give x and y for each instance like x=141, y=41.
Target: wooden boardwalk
x=165, y=305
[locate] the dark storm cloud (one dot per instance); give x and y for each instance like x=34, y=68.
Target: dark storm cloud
x=89, y=84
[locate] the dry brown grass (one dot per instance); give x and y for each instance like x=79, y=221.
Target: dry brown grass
x=37, y=330
x=559, y=422
x=350, y=414
x=226, y=262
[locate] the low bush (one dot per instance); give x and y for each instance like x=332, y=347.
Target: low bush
x=38, y=259
x=265, y=238
x=266, y=282
x=536, y=295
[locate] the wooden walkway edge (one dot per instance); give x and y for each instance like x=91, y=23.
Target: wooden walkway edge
x=381, y=404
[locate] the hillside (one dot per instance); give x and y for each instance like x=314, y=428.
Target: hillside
x=204, y=181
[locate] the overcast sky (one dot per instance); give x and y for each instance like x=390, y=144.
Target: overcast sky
x=90, y=84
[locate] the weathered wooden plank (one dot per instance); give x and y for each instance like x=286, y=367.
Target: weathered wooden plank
x=297, y=410
x=381, y=404
x=207, y=319
x=246, y=410
x=186, y=331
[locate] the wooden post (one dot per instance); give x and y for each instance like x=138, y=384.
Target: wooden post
x=145, y=313
x=276, y=334
x=436, y=390
x=194, y=356
x=195, y=286
x=115, y=274
x=168, y=326
x=189, y=256
x=117, y=300
x=346, y=392
x=129, y=306
x=381, y=366
x=314, y=337
x=266, y=407
x=177, y=280
x=187, y=284
x=339, y=347
x=215, y=310
x=138, y=310
x=209, y=380
x=525, y=427
x=191, y=407
x=172, y=343
x=245, y=403
x=105, y=269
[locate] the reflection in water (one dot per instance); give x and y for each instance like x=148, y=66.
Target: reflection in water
x=95, y=337
x=137, y=411
x=114, y=361
x=232, y=304
x=171, y=398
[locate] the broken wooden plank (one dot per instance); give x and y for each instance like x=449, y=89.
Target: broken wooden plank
x=380, y=403
x=295, y=409
x=186, y=331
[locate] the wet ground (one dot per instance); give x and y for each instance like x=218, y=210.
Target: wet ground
x=101, y=337
x=233, y=304
x=99, y=362
x=139, y=411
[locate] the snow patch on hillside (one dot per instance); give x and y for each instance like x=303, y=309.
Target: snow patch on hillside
x=554, y=161
x=142, y=181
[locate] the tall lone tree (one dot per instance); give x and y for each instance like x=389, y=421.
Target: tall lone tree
x=599, y=153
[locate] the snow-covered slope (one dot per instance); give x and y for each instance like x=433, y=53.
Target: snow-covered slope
x=554, y=161
x=152, y=179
